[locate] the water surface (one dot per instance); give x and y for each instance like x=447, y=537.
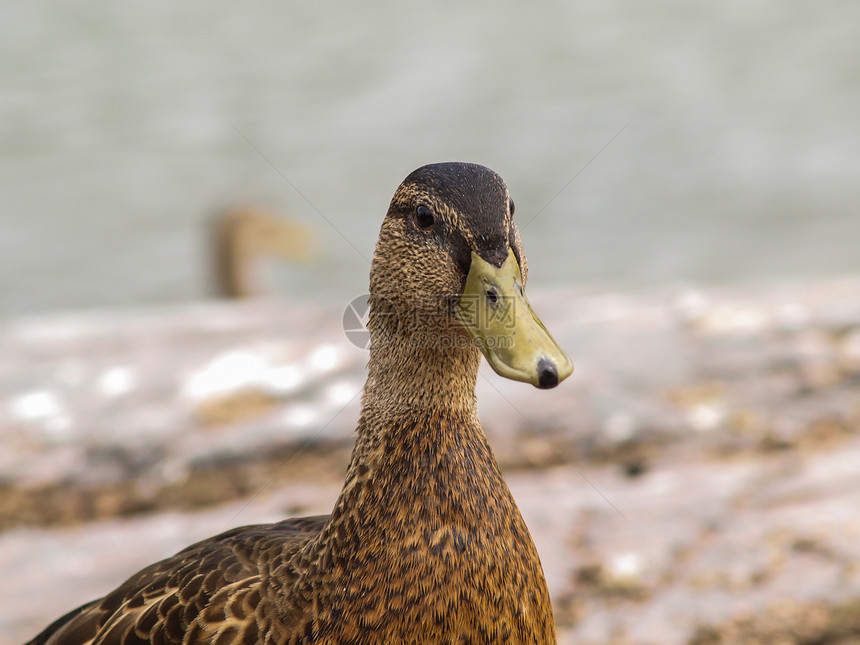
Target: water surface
x=125, y=125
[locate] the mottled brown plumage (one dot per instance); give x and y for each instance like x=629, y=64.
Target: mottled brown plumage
x=425, y=543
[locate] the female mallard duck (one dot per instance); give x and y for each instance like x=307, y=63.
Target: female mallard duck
x=425, y=543
x=241, y=236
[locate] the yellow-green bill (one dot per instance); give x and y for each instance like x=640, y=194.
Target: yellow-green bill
x=497, y=315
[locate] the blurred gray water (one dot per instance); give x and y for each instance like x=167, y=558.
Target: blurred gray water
x=124, y=126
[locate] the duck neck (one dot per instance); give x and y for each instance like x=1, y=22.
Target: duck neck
x=433, y=366
x=419, y=429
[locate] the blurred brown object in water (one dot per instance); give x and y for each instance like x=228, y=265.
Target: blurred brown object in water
x=245, y=234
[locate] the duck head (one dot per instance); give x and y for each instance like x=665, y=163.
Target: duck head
x=450, y=270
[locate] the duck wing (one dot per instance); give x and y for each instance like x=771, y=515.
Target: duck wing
x=214, y=589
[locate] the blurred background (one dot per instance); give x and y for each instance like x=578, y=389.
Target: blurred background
x=686, y=181
x=125, y=127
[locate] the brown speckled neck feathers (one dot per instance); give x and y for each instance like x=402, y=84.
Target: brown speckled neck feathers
x=451, y=561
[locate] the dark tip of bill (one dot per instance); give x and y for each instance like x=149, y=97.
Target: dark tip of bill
x=547, y=374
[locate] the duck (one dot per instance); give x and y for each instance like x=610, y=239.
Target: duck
x=425, y=543
x=243, y=234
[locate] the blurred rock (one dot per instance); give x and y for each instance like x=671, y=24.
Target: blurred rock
x=694, y=481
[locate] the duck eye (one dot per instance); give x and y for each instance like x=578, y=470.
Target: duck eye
x=424, y=217
x=492, y=295
x=512, y=206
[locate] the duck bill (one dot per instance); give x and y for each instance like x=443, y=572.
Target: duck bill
x=495, y=312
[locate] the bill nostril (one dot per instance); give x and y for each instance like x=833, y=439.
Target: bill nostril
x=547, y=374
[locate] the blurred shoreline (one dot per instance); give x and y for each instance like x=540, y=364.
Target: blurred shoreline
x=704, y=450
x=217, y=381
